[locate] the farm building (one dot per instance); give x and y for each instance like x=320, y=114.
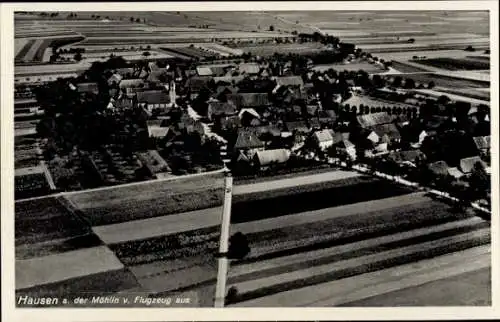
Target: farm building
x=386, y=132
x=467, y=164
x=369, y=120
x=297, y=126
x=289, y=81
x=346, y=147
x=249, y=68
x=250, y=100
x=271, y=157
x=455, y=173
x=153, y=99
x=323, y=138
x=248, y=142
x=87, y=88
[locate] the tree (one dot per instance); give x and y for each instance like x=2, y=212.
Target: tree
x=146, y=54
x=479, y=181
x=238, y=246
x=431, y=84
x=77, y=57
x=271, y=28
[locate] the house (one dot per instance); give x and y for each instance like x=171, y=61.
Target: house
x=87, y=88
x=271, y=157
x=153, y=99
x=156, y=130
x=219, y=109
x=346, y=147
x=248, y=142
x=467, y=164
x=153, y=162
x=483, y=143
x=323, y=138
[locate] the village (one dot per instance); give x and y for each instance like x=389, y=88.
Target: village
x=259, y=116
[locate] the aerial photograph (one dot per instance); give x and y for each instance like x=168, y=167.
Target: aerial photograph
x=252, y=159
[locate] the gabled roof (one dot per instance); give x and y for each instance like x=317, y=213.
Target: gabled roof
x=272, y=156
x=114, y=78
x=467, y=164
x=247, y=140
x=249, y=99
x=229, y=79
x=154, y=76
x=439, y=167
x=135, y=82
x=289, y=81
x=323, y=135
x=251, y=111
x=249, y=68
x=222, y=108
x=454, y=172
x=87, y=87
x=482, y=142
x=153, y=97
x=204, y=71
x=372, y=119
x=390, y=130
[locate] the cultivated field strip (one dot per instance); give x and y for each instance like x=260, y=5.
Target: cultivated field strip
x=343, y=291
x=59, y=267
x=326, y=267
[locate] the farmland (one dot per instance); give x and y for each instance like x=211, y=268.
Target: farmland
x=270, y=49
x=149, y=200
x=454, y=64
